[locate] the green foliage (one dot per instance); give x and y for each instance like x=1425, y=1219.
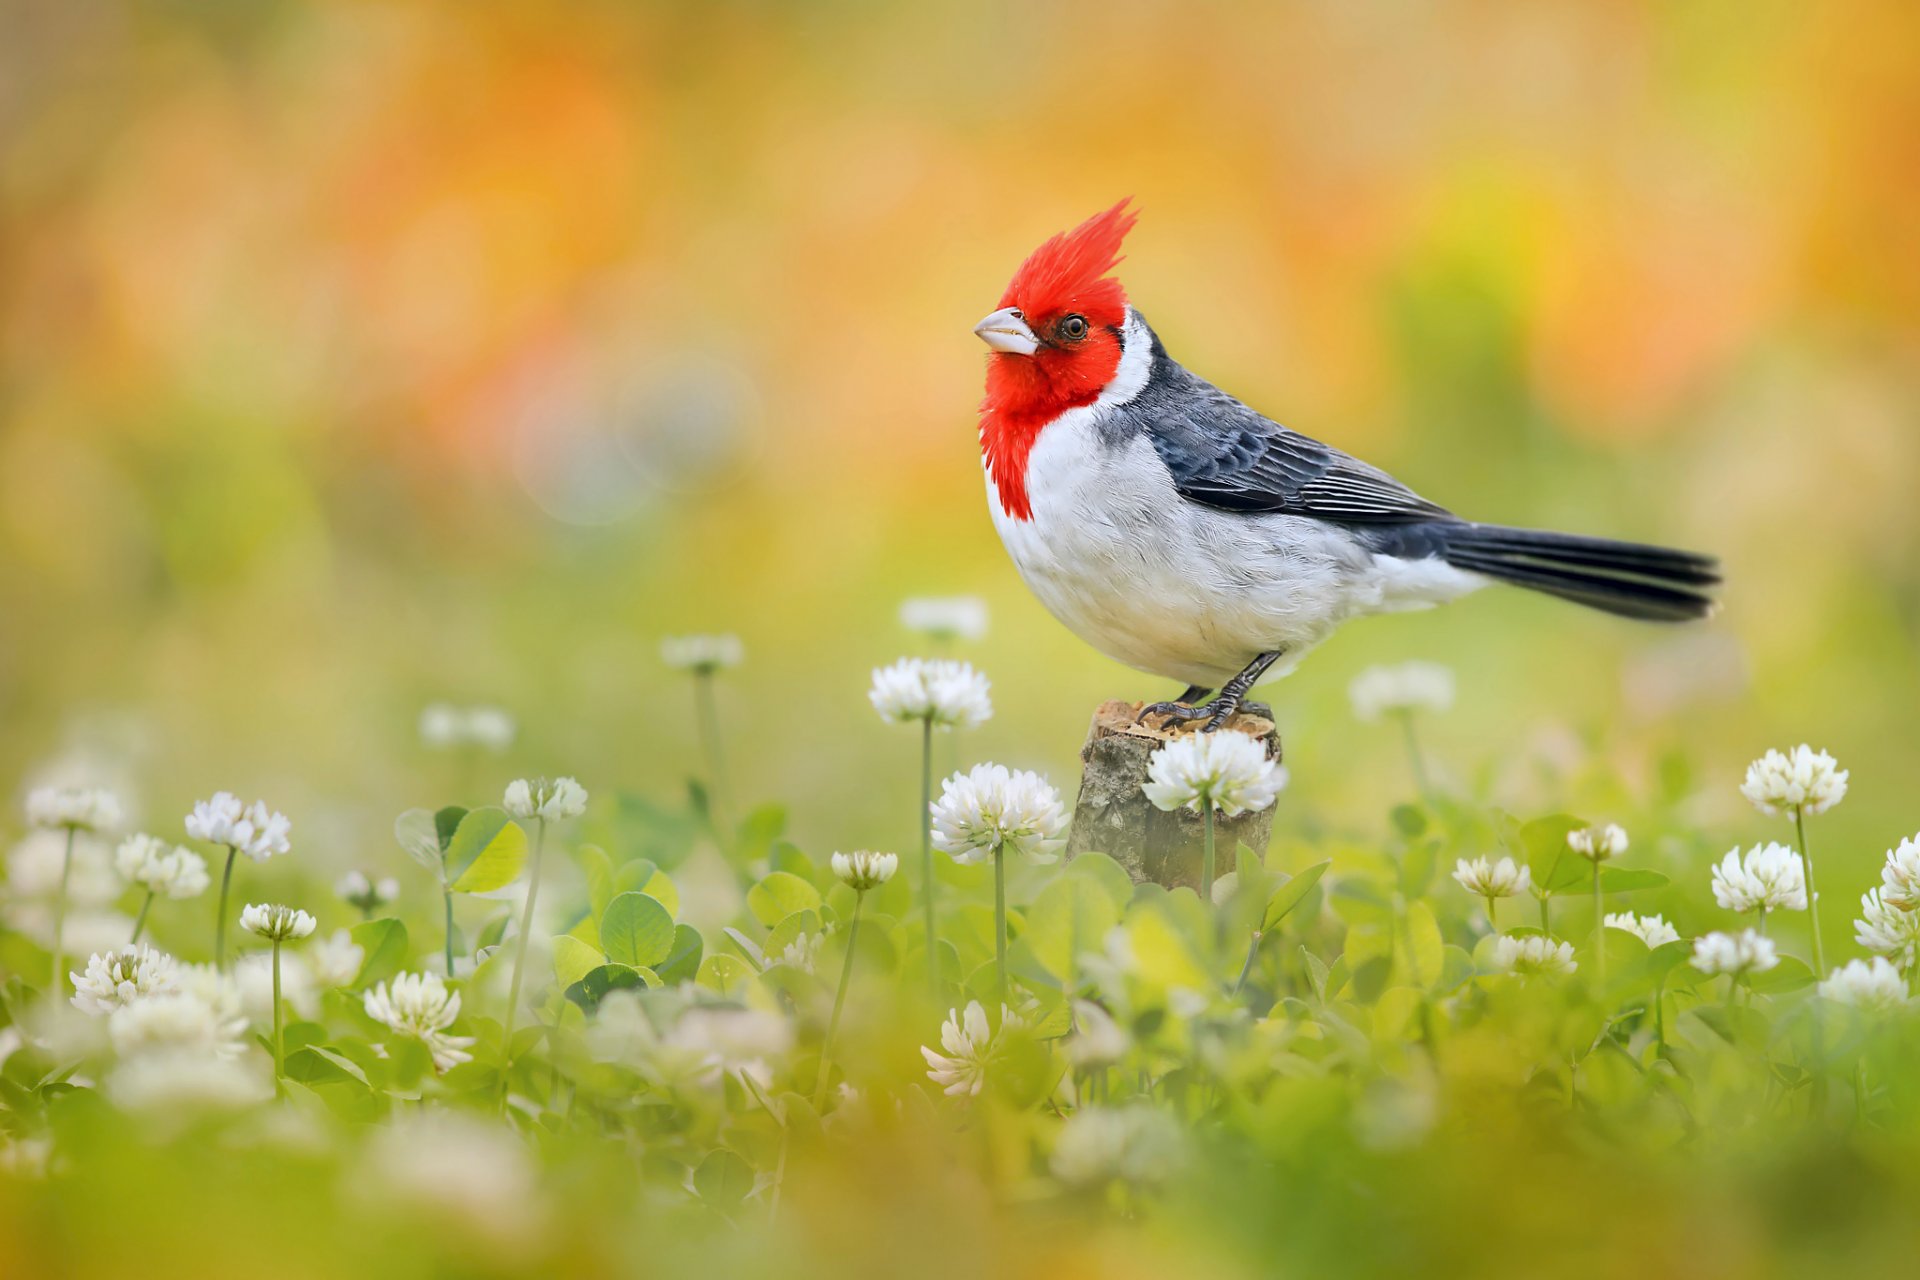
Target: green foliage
x=637, y=930
x=386, y=949
x=778, y=895
x=488, y=851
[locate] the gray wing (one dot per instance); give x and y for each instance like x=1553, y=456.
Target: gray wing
x=1225, y=455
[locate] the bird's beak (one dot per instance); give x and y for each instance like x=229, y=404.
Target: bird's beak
x=1006, y=330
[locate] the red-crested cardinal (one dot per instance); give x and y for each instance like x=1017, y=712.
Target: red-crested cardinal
x=1181, y=533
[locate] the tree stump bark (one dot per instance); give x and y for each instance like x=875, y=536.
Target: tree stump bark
x=1115, y=817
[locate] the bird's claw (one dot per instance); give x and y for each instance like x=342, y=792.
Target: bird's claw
x=1215, y=713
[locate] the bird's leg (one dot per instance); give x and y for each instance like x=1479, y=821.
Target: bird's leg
x=1215, y=713
x=1184, y=702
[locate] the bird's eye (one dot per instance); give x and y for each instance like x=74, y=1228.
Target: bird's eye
x=1073, y=328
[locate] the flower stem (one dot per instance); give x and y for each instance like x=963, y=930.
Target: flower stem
x=1599, y=932
x=1000, y=916
x=716, y=759
x=520, y=951
x=220, y=920
x=1206, y=859
x=1253, y=949
x=279, y=1043
x=926, y=853
x=140, y=921
x=1546, y=925
x=1414, y=758
x=1813, y=898
x=839, y=1002
x=447, y=892
x=57, y=986
x=1493, y=922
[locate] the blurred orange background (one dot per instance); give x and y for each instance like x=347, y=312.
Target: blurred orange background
x=359, y=355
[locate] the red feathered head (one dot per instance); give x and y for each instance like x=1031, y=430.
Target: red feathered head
x=1069, y=273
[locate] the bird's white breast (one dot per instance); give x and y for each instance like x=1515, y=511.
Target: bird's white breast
x=1174, y=588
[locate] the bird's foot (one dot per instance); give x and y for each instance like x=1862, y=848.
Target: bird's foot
x=1215, y=713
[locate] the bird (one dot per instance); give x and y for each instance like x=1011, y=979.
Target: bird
x=1192, y=538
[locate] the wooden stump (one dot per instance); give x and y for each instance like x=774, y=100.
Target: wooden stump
x=1115, y=817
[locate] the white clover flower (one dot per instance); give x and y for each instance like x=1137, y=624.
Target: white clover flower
x=456, y=1175
x=335, y=961
x=25, y=1159
x=949, y=695
x=1745, y=952
x=1770, y=877
x=553, y=801
x=419, y=1005
x=220, y=992
x=945, y=617
x=73, y=808
x=254, y=829
x=1887, y=930
x=166, y=1083
x=994, y=809
x=1229, y=771
x=1598, y=844
x=1485, y=878
x=863, y=871
x=116, y=978
x=1652, y=930
x=971, y=1047
x=277, y=923
x=169, y=871
x=38, y=862
x=357, y=890
x=444, y=726
x=1140, y=1145
x=802, y=952
x=1800, y=781
x=178, y=1020
x=1900, y=878
x=1533, y=954
x=252, y=982
x=1866, y=984
x=729, y=1041
x=1097, y=1040
x=1410, y=686
x=702, y=655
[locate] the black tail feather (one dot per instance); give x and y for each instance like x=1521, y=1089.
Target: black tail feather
x=1634, y=580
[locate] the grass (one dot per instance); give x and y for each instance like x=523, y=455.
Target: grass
x=1338, y=1046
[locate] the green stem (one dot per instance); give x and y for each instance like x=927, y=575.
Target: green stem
x=1545, y=925
x=1813, y=898
x=220, y=920
x=1599, y=932
x=839, y=1002
x=1493, y=922
x=1763, y=922
x=1206, y=861
x=58, y=985
x=926, y=853
x=520, y=951
x=279, y=1044
x=1000, y=916
x=447, y=892
x=1253, y=949
x=1417, y=761
x=140, y=921
x=717, y=790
